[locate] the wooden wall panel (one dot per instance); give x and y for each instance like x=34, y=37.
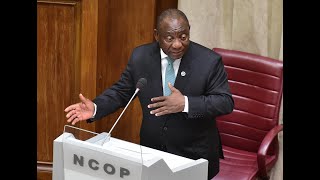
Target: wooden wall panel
x=129, y=24
x=163, y=5
x=88, y=53
x=56, y=75
x=58, y=78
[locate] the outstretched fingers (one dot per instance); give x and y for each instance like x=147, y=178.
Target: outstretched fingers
x=71, y=112
x=75, y=111
x=76, y=117
x=71, y=107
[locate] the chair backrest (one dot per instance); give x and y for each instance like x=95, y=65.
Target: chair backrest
x=256, y=84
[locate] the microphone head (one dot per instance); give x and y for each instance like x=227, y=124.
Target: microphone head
x=142, y=82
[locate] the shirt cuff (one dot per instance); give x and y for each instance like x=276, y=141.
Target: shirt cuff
x=186, y=104
x=95, y=110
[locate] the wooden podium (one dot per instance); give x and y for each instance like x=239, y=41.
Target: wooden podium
x=103, y=157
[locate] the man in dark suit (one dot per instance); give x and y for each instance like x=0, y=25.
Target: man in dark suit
x=182, y=122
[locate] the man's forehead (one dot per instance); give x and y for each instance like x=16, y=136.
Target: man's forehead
x=174, y=25
x=173, y=20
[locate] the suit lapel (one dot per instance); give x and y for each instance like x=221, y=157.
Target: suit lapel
x=184, y=72
x=155, y=72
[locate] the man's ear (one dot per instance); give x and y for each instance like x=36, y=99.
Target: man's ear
x=156, y=35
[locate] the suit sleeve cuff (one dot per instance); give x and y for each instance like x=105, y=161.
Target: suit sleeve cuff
x=95, y=110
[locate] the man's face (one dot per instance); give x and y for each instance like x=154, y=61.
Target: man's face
x=173, y=37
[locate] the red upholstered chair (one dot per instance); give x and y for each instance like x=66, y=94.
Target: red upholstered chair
x=249, y=135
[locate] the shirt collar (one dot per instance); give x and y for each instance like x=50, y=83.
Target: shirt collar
x=162, y=54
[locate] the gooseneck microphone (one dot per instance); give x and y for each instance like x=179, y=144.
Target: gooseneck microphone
x=142, y=82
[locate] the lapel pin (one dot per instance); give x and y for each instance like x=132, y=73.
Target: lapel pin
x=183, y=73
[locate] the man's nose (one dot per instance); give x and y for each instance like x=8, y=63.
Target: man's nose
x=176, y=43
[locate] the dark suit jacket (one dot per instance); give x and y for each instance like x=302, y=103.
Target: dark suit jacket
x=193, y=134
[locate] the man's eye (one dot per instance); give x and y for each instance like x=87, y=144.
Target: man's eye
x=169, y=38
x=184, y=37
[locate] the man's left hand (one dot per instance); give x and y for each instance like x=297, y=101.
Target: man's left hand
x=168, y=104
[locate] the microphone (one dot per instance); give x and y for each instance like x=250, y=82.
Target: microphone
x=142, y=82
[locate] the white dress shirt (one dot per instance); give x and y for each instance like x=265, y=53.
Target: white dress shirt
x=176, y=64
